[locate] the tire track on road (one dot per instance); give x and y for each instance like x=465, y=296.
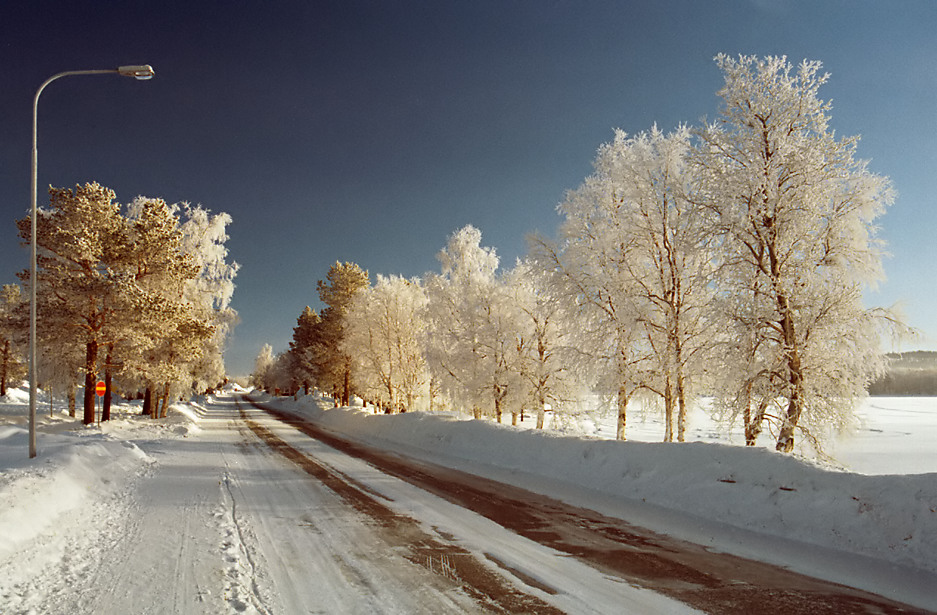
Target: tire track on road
x=461, y=567
x=710, y=581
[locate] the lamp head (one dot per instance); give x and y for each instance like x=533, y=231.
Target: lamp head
x=137, y=71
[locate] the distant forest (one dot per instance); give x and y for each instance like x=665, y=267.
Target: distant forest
x=909, y=373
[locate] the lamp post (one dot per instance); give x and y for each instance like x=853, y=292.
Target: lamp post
x=141, y=72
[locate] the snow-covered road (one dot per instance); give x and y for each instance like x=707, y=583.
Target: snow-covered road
x=255, y=512
x=223, y=522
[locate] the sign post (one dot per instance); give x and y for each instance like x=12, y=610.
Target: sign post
x=100, y=388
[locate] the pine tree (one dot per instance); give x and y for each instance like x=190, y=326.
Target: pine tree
x=333, y=366
x=162, y=329
x=302, y=367
x=139, y=295
x=79, y=238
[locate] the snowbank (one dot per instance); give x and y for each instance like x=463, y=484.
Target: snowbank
x=889, y=518
x=79, y=469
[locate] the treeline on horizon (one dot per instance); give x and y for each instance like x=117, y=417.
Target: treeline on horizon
x=909, y=373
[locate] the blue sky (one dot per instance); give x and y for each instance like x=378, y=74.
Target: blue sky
x=370, y=131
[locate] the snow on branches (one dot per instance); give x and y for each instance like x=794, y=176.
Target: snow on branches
x=727, y=260
x=141, y=296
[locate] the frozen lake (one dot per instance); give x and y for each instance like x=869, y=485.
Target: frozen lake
x=894, y=435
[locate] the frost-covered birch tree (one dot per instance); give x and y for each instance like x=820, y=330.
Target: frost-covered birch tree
x=797, y=211
x=210, y=292
x=470, y=338
x=590, y=268
x=383, y=336
x=671, y=259
x=546, y=357
x=263, y=365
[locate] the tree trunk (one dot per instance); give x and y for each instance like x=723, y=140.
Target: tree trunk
x=681, y=390
x=346, y=391
x=668, y=409
x=71, y=399
x=148, y=401
x=476, y=412
x=795, y=379
x=164, y=409
x=622, y=412
x=91, y=360
x=794, y=405
x=106, y=405
x=681, y=406
x=753, y=423
x=4, y=368
x=541, y=411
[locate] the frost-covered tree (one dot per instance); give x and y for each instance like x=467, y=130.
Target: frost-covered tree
x=546, y=360
x=79, y=237
x=166, y=324
x=471, y=345
x=671, y=258
x=797, y=211
x=12, y=364
x=280, y=377
x=128, y=291
x=590, y=269
x=333, y=365
x=210, y=292
x=383, y=336
x=263, y=365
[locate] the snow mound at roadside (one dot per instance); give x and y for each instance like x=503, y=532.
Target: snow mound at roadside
x=77, y=469
x=890, y=518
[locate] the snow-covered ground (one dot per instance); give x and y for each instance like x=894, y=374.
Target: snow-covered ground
x=892, y=435
x=66, y=515
x=877, y=532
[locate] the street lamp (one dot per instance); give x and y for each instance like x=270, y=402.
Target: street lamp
x=137, y=71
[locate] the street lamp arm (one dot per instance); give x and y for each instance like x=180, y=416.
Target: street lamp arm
x=141, y=71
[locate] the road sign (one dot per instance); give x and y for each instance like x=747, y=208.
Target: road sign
x=100, y=388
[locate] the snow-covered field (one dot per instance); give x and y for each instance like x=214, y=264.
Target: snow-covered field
x=874, y=527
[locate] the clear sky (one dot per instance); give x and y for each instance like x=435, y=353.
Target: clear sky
x=370, y=131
